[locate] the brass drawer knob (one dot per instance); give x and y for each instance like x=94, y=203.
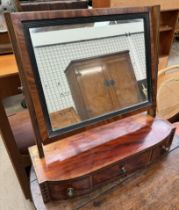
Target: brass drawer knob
x=123, y=170
x=70, y=192
x=165, y=148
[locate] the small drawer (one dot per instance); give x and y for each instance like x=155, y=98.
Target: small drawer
x=108, y=174
x=160, y=149
x=65, y=190
x=122, y=169
x=137, y=162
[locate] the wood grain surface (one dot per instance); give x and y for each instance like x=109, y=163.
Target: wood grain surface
x=81, y=163
x=63, y=118
x=116, y=84
x=8, y=65
x=99, y=147
x=9, y=77
x=165, y=5
x=156, y=187
x=51, y=5
x=167, y=103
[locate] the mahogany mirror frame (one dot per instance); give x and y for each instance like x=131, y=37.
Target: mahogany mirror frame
x=15, y=22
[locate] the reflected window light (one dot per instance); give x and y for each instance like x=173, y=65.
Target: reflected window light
x=92, y=70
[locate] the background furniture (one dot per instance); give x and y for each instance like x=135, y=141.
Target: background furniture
x=9, y=76
x=167, y=94
x=38, y=5
x=116, y=84
x=16, y=129
x=137, y=192
x=168, y=20
x=165, y=5
x=31, y=5
x=5, y=43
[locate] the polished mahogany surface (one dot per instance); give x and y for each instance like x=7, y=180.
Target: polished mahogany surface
x=143, y=190
x=99, y=147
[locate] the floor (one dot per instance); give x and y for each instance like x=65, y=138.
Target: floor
x=11, y=196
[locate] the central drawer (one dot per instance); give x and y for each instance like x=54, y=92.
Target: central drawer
x=107, y=174
x=122, y=168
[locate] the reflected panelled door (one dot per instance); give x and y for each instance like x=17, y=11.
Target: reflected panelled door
x=102, y=85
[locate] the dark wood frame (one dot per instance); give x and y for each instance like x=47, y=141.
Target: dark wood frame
x=37, y=5
x=52, y=134
x=16, y=28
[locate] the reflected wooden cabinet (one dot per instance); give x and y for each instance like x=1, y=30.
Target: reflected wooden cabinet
x=102, y=84
x=5, y=44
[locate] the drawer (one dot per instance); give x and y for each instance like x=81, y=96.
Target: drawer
x=160, y=149
x=108, y=174
x=122, y=169
x=137, y=162
x=65, y=190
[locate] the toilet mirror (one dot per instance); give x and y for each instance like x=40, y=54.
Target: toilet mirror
x=83, y=68
x=90, y=70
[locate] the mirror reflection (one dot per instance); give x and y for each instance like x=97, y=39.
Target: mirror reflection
x=92, y=69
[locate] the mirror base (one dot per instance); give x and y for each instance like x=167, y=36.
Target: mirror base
x=81, y=163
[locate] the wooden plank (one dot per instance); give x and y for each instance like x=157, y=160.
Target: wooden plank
x=9, y=85
x=165, y=4
x=136, y=134
x=163, y=62
x=9, y=77
x=8, y=65
x=52, y=5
